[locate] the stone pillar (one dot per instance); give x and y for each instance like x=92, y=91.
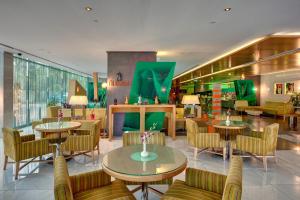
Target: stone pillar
x=8, y=82
x=120, y=69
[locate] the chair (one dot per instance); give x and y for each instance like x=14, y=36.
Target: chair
x=134, y=138
x=52, y=111
x=260, y=145
x=84, y=139
x=20, y=148
x=89, y=185
x=205, y=185
x=199, y=138
x=100, y=114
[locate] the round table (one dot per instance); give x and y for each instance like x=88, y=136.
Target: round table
x=57, y=128
x=168, y=163
x=234, y=125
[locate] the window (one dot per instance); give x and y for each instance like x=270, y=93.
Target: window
x=35, y=85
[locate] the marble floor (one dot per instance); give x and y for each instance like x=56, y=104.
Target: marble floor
x=282, y=181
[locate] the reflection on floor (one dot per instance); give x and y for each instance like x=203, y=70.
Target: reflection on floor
x=282, y=181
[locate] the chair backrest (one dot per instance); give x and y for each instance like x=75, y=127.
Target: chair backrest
x=12, y=142
x=179, y=113
x=270, y=135
x=232, y=117
x=52, y=111
x=100, y=114
x=233, y=185
x=240, y=103
x=90, y=127
x=67, y=112
x=62, y=184
x=191, y=131
x=54, y=119
x=134, y=137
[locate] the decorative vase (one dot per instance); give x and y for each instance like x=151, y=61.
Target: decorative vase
x=144, y=153
x=227, y=121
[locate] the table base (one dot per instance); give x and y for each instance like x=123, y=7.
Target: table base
x=144, y=191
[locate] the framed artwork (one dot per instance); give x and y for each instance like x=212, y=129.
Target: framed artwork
x=278, y=88
x=289, y=88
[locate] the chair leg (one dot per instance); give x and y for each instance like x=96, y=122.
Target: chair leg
x=265, y=163
x=17, y=170
x=98, y=148
x=224, y=153
x=195, y=153
x=93, y=156
x=231, y=152
x=5, y=162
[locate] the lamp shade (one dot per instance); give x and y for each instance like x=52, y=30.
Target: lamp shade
x=190, y=99
x=78, y=100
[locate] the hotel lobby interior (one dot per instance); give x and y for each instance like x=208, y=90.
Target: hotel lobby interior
x=148, y=99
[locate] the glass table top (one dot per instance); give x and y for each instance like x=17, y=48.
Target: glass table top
x=120, y=160
x=57, y=126
x=233, y=124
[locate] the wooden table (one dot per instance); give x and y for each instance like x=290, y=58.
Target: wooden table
x=234, y=125
x=125, y=164
x=57, y=128
x=142, y=109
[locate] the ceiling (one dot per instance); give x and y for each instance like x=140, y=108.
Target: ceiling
x=63, y=32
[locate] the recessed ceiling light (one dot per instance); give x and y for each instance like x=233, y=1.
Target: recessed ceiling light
x=227, y=9
x=88, y=8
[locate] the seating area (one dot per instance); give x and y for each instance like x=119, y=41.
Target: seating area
x=148, y=100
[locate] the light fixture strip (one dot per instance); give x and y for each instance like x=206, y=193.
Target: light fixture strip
x=285, y=53
x=224, y=55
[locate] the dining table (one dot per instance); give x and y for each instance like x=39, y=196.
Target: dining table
x=56, y=130
x=126, y=163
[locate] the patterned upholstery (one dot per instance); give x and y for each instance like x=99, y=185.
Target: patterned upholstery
x=203, y=185
x=134, y=138
x=261, y=145
x=85, y=138
x=199, y=138
x=21, y=148
x=86, y=186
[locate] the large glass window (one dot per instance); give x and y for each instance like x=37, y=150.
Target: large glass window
x=35, y=85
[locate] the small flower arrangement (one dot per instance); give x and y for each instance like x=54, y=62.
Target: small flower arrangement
x=147, y=134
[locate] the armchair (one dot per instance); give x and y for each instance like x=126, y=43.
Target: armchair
x=260, y=145
x=20, y=148
x=199, y=138
x=134, y=138
x=89, y=185
x=84, y=139
x=200, y=184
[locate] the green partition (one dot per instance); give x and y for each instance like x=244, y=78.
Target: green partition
x=150, y=79
x=245, y=90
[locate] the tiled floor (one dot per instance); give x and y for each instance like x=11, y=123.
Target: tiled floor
x=282, y=181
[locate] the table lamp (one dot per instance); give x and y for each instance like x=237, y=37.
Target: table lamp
x=78, y=101
x=190, y=100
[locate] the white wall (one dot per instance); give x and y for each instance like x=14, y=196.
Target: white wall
x=267, y=85
x=1, y=91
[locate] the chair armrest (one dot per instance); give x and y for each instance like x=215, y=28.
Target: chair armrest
x=205, y=180
x=207, y=140
x=26, y=138
x=89, y=180
x=252, y=145
x=256, y=134
x=36, y=148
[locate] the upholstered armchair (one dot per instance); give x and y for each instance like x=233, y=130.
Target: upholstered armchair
x=241, y=105
x=100, y=114
x=84, y=139
x=200, y=139
x=260, y=145
x=134, y=138
x=19, y=148
x=200, y=184
x=89, y=185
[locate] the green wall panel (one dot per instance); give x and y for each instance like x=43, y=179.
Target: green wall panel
x=150, y=79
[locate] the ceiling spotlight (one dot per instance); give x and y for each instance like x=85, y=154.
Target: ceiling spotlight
x=227, y=9
x=88, y=8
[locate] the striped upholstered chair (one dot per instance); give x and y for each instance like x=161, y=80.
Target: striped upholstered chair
x=134, y=138
x=84, y=139
x=20, y=148
x=200, y=139
x=89, y=185
x=204, y=185
x=260, y=145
